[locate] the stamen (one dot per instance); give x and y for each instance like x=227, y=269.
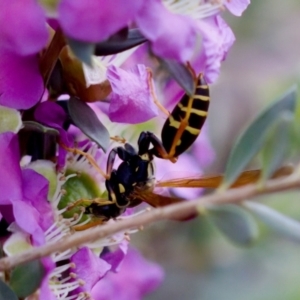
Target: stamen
x=63, y=290
x=63, y=255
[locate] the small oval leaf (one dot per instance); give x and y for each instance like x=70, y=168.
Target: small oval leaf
x=277, y=145
x=278, y=222
x=180, y=73
x=86, y=120
x=234, y=222
x=251, y=139
x=6, y=292
x=26, y=278
x=82, y=50
x=113, y=46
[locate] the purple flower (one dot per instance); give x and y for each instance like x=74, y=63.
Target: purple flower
x=237, y=7
x=132, y=98
x=89, y=268
x=217, y=40
x=23, y=34
x=95, y=20
x=115, y=258
x=172, y=36
x=52, y=115
x=22, y=27
x=24, y=190
x=136, y=278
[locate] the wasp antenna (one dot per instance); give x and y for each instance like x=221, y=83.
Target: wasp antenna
x=90, y=159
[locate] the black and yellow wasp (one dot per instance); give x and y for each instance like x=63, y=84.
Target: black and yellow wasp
x=135, y=175
x=134, y=179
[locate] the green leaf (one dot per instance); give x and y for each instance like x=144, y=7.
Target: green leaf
x=277, y=145
x=34, y=126
x=180, y=73
x=82, y=50
x=26, y=278
x=6, y=293
x=85, y=119
x=278, y=222
x=113, y=45
x=252, y=139
x=296, y=126
x=234, y=222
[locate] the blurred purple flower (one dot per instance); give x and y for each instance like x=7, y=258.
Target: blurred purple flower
x=217, y=40
x=89, y=268
x=172, y=36
x=136, y=278
x=115, y=258
x=95, y=20
x=23, y=34
x=237, y=7
x=21, y=85
x=22, y=27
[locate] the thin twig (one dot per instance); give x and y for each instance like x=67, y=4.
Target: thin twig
x=174, y=212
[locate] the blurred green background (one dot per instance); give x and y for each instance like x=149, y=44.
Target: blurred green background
x=199, y=262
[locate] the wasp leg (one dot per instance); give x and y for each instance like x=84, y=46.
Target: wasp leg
x=87, y=156
x=158, y=150
x=88, y=202
x=152, y=91
x=88, y=225
x=125, y=153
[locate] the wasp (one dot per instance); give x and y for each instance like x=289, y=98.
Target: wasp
x=133, y=181
x=135, y=175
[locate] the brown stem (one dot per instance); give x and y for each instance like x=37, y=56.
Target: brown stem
x=176, y=211
x=50, y=56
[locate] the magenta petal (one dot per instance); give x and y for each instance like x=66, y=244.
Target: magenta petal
x=89, y=268
x=45, y=292
x=136, y=278
x=35, y=192
x=10, y=172
x=217, y=40
x=95, y=20
x=22, y=27
x=237, y=7
x=7, y=213
x=21, y=84
x=131, y=100
x=52, y=115
x=27, y=218
x=116, y=257
x=172, y=36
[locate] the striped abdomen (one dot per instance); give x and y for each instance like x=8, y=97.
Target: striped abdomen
x=186, y=120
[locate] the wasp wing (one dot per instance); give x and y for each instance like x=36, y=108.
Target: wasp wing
x=155, y=200
x=213, y=181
